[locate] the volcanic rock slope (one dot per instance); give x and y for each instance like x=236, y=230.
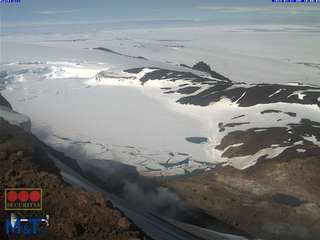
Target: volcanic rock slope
x=74, y=213
x=274, y=199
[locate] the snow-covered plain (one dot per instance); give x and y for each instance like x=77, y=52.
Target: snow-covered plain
x=256, y=53
x=80, y=97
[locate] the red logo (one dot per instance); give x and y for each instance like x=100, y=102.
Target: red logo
x=23, y=199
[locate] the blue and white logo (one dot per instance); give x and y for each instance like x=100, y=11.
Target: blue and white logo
x=26, y=226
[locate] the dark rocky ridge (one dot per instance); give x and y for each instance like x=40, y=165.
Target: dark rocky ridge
x=255, y=94
x=4, y=102
x=164, y=74
x=254, y=140
x=222, y=126
x=291, y=114
x=277, y=199
x=74, y=213
x=245, y=95
x=117, y=53
x=203, y=67
x=287, y=200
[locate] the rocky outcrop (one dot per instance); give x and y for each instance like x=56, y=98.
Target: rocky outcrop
x=7, y=113
x=74, y=213
x=276, y=199
x=216, y=87
x=4, y=102
x=203, y=67
x=117, y=53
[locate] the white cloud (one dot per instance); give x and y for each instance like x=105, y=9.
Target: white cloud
x=48, y=12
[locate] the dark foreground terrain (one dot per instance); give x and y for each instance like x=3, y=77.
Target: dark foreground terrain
x=74, y=213
x=276, y=199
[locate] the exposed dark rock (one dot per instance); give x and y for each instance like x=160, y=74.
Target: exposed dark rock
x=240, y=116
x=220, y=87
x=188, y=90
x=270, y=111
x=117, y=53
x=222, y=126
x=252, y=95
x=163, y=74
x=197, y=140
x=4, y=102
x=291, y=114
x=134, y=70
x=168, y=92
x=169, y=165
x=286, y=200
x=264, y=199
x=203, y=67
x=235, y=124
x=244, y=95
x=253, y=140
x=74, y=213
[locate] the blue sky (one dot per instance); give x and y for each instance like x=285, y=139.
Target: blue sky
x=84, y=11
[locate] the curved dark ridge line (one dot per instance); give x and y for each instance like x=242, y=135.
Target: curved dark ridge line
x=119, y=54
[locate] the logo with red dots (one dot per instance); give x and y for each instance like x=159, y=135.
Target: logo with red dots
x=23, y=199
